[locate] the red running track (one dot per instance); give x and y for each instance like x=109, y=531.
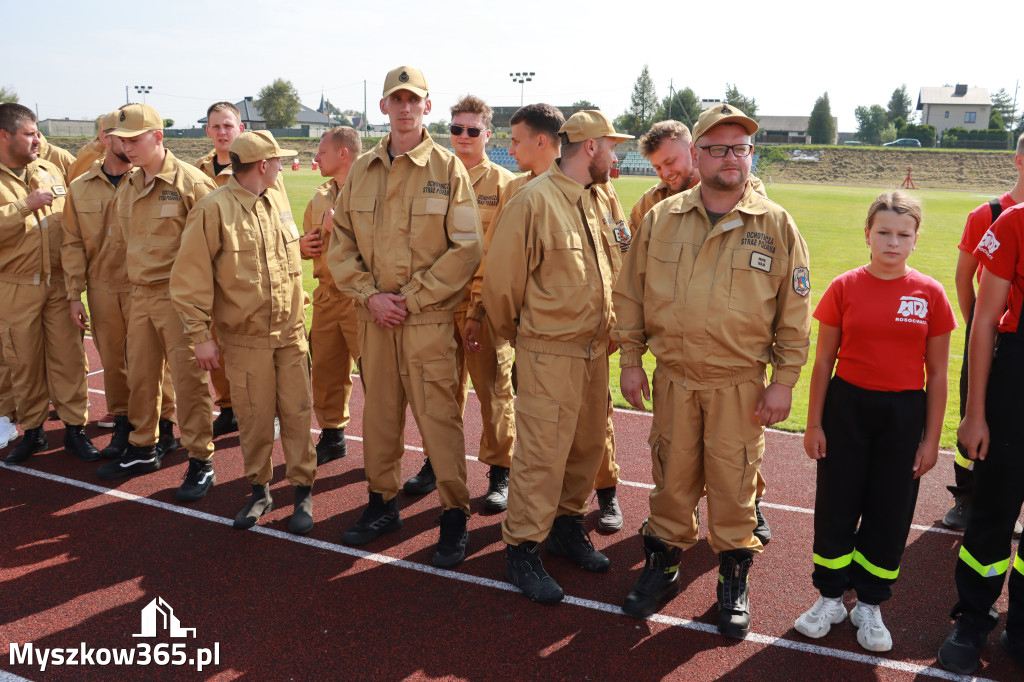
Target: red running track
x=79, y=559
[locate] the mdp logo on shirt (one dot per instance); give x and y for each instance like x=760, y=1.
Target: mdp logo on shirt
x=988, y=244
x=911, y=307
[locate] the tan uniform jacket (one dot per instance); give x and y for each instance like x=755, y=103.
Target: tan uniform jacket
x=205, y=164
x=489, y=184
x=325, y=197
x=93, y=253
x=58, y=156
x=407, y=226
x=550, y=291
x=239, y=264
x=87, y=155
x=716, y=305
x=23, y=233
x=152, y=218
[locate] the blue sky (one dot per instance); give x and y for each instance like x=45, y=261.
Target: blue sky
x=74, y=59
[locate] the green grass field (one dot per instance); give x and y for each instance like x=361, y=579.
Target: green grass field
x=831, y=219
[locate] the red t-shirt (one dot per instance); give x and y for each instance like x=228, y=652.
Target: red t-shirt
x=978, y=222
x=1001, y=251
x=885, y=325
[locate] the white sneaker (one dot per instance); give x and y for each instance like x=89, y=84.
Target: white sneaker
x=871, y=631
x=819, y=619
x=8, y=431
x=277, y=429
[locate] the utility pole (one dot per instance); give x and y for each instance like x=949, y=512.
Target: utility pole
x=671, y=97
x=364, y=108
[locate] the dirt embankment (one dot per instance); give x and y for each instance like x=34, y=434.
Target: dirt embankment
x=931, y=169
x=191, y=150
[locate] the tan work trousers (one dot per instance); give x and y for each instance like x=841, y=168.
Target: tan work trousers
x=705, y=439
x=561, y=421
x=608, y=472
x=413, y=364
x=267, y=382
x=108, y=319
x=44, y=350
x=156, y=338
x=221, y=385
x=8, y=405
x=491, y=372
x=334, y=347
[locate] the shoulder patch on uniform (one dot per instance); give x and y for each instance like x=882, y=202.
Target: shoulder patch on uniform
x=622, y=235
x=801, y=280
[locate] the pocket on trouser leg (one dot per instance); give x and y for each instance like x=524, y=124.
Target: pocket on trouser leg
x=7, y=354
x=503, y=376
x=753, y=452
x=240, y=402
x=439, y=384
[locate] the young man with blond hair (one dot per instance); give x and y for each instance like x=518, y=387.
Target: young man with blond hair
x=408, y=242
x=151, y=210
x=478, y=356
x=334, y=334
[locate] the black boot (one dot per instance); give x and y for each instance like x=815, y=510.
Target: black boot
x=199, y=478
x=610, y=520
x=119, y=441
x=225, y=422
x=259, y=504
x=762, y=531
x=524, y=569
x=569, y=539
x=32, y=441
x=733, y=592
x=301, y=521
x=423, y=482
x=166, y=443
x=79, y=444
x=331, y=446
x=451, y=548
x=378, y=518
x=497, y=490
x=659, y=581
x=135, y=460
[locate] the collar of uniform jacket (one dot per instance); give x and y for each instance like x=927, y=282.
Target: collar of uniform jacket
x=751, y=202
x=95, y=171
x=418, y=154
x=243, y=196
x=569, y=187
x=478, y=170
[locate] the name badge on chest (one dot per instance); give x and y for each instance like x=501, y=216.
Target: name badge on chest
x=761, y=261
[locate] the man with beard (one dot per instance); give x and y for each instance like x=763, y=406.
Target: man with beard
x=716, y=284
x=550, y=293
x=93, y=255
x=37, y=338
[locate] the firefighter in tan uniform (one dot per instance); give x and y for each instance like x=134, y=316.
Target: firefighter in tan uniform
x=716, y=284
x=667, y=145
x=535, y=145
x=489, y=364
x=91, y=152
x=38, y=340
x=550, y=293
x=334, y=333
x=58, y=156
x=93, y=254
x=408, y=240
x=152, y=209
x=239, y=267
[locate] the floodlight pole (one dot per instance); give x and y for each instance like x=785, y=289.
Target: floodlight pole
x=522, y=77
x=142, y=90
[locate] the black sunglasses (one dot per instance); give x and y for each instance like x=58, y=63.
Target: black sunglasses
x=456, y=130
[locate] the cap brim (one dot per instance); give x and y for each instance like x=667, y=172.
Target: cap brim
x=748, y=124
x=127, y=132
x=286, y=152
x=419, y=92
x=620, y=137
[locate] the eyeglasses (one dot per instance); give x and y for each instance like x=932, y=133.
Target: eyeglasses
x=456, y=130
x=720, y=150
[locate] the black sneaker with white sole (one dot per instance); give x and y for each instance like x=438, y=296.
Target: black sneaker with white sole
x=136, y=460
x=198, y=480
x=166, y=442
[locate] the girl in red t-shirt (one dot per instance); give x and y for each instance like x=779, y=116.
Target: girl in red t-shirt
x=872, y=428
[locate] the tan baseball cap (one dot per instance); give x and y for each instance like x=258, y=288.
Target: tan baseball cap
x=135, y=119
x=258, y=145
x=589, y=124
x=723, y=113
x=406, y=78
x=109, y=122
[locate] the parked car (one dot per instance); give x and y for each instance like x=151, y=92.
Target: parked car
x=853, y=142
x=904, y=142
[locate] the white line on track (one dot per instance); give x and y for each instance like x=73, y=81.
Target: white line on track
x=649, y=486
x=383, y=559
